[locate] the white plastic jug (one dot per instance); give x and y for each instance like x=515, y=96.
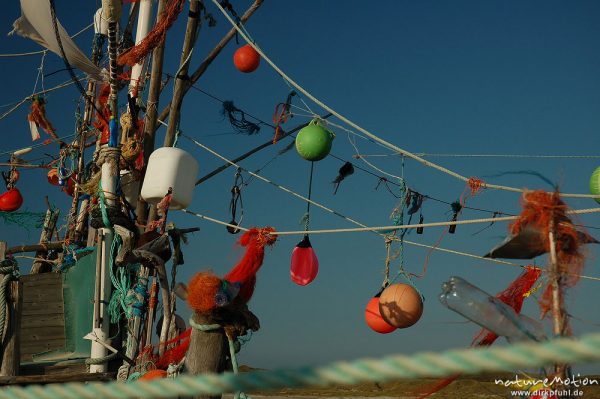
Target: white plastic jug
x=170, y=167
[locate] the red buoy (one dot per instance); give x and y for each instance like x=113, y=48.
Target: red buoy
x=11, y=200
x=304, y=265
x=246, y=59
x=374, y=319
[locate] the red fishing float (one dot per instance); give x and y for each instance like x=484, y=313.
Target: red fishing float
x=374, y=319
x=246, y=59
x=304, y=265
x=11, y=200
x=400, y=305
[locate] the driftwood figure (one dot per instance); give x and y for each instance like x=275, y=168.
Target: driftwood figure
x=221, y=313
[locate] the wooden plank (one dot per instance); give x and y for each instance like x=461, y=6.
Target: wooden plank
x=36, y=308
x=60, y=378
x=41, y=334
x=47, y=277
x=52, y=369
x=42, y=321
x=41, y=346
x=44, y=294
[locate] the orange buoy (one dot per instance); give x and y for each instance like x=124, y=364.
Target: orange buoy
x=400, y=305
x=374, y=319
x=246, y=59
x=153, y=375
x=53, y=177
x=11, y=200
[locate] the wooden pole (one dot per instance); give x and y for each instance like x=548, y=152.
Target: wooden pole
x=191, y=33
x=151, y=112
x=206, y=353
x=558, y=312
x=252, y=151
x=47, y=231
x=55, y=245
x=211, y=57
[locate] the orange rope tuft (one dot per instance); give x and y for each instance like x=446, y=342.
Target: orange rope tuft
x=155, y=37
x=202, y=289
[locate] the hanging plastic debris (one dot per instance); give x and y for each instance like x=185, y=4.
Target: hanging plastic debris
x=489, y=312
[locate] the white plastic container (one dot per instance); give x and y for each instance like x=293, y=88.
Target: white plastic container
x=130, y=186
x=170, y=167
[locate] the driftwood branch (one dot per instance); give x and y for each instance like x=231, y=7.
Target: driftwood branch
x=211, y=57
x=49, y=246
x=252, y=151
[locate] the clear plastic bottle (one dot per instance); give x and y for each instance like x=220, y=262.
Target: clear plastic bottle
x=488, y=311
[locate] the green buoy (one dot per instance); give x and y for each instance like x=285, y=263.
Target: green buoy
x=313, y=142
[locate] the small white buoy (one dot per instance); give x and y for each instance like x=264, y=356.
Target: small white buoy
x=170, y=167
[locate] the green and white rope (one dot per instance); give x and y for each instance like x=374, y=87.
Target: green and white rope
x=427, y=364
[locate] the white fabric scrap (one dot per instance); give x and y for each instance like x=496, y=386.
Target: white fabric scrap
x=36, y=24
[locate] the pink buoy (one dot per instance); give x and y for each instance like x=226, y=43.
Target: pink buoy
x=304, y=265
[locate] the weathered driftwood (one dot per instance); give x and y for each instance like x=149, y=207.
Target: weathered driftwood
x=56, y=246
x=150, y=119
x=209, y=350
x=189, y=40
x=40, y=266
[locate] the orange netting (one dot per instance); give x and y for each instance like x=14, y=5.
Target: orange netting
x=546, y=211
x=155, y=37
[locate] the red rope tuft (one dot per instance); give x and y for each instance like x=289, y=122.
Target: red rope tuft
x=245, y=271
x=155, y=37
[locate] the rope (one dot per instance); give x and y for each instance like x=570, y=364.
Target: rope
x=44, y=51
x=353, y=221
x=393, y=238
x=363, y=130
x=99, y=360
x=427, y=364
x=8, y=268
x=427, y=154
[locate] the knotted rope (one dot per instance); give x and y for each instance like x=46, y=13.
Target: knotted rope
x=9, y=269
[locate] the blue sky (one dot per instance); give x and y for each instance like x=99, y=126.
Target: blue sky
x=462, y=77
